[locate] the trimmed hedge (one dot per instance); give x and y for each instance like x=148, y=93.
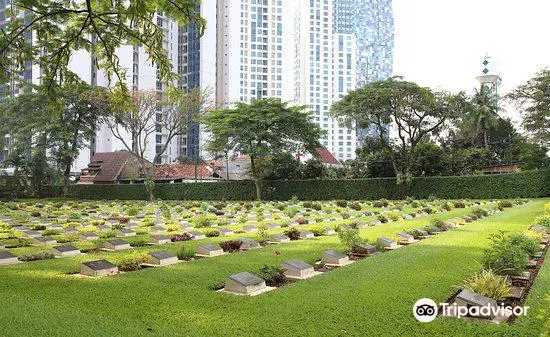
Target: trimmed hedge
x=531, y=184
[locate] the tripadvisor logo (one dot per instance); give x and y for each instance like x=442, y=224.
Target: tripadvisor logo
x=425, y=310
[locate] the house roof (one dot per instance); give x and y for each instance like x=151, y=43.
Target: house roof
x=179, y=171
x=110, y=165
x=326, y=157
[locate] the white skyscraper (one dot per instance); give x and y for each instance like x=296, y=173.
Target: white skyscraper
x=324, y=71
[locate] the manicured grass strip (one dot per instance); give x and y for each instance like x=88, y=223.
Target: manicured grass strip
x=373, y=297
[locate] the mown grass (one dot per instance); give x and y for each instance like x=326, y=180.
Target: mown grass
x=372, y=297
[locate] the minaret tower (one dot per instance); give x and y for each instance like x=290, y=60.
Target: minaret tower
x=490, y=77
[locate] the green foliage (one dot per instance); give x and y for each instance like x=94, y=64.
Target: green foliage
x=292, y=233
x=133, y=261
x=36, y=256
x=532, y=99
x=350, y=238
x=185, y=254
x=489, y=284
x=503, y=256
x=261, y=128
x=272, y=275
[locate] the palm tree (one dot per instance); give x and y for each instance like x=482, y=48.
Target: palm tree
x=485, y=114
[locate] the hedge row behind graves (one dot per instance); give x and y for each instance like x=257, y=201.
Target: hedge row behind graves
x=529, y=184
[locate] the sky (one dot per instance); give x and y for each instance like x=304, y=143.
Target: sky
x=441, y=43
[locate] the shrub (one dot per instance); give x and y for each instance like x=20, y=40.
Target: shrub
x=318, y=231
x=534, y=235
x=428, y=210
x=133, y=261
x=212, y=233
x=38, y=227
x=273, y=276
x=528, y=245
x=439, y=223
x=185, y=254
x=480, y=212
x=503, y=257
x=262, y=235
x=201, y=220
x=132, y=211
x=380, y=203
x=23, y=242
x=350, y=238
x=445, y=206
x=36, y=256
x=341, y=203
x=460, y=204
x=302, y=221
x=489, y=284
x=292, y=233
x=392, y=215
x=140, y=242
x=543, y=221
x=35, y=214
x=505, y=204
x=382, y=218
x=231, y=246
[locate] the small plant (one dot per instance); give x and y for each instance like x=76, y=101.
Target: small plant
x=185, y=254
x=133, y=261
x=140, y=242
x=504, y=257
x=292, y=233
x=231, y=246
x=341, y=203
x=273, y=276
x=36, y=256
x=505, y=204
x=350, y=238
x=480, y=212
x=489, y=284
x=212, y=233
x=382, y=218
x=262, y=235
x=318, y=231
x=380, y=203
x=460, y=204
x=543, y=221
x=302, y=221
x=132, y=211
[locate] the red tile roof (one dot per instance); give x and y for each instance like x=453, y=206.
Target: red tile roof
x=326, y=157
x=179, y=171
x=110, y=165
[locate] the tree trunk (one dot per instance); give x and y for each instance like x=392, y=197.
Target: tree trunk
x=256, y=180
x=485, y=139
x=227, y=165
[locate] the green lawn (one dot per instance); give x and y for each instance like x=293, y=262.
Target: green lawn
x=373, y=297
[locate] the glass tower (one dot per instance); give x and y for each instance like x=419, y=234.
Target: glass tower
x=372, y=23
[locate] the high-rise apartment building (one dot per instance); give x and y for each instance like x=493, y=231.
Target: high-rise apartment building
x=371, y=21
x=325, y=70
x=307, y=52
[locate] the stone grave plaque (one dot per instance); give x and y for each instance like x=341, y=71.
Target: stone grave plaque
x=98, y=268
x=65, y=251
x=247, y=243
x=117, y=244
x=279, y=238
x=244, y=283
x=162, y=258
x=159, y=239
x=7, y=257
x=209, y=250
x=334, y=258
x=387, y=243
x=197, y=235
x=468, y=298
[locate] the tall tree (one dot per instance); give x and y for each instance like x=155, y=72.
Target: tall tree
x=63, y=124
x=152, y=112
x=261, y=128
x=485, y=113
x=534, y=100
x=60, y=27
x=416, y=112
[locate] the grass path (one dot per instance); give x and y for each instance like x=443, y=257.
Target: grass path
x=373, y=297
